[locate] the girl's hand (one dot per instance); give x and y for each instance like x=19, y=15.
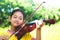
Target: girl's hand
x=4, y=37
x=39, y=23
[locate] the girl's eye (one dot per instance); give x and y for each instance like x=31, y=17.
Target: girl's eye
x=15, y=17
x=20, y=18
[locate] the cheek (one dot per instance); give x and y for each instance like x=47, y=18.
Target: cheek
x=21, y=22
x=12, y=21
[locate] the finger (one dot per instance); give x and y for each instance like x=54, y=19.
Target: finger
x=40, y=23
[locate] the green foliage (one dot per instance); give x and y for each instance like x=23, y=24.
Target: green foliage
x=6, y=7
x=28, y=6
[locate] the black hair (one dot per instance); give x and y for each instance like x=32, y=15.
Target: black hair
x=16, y=11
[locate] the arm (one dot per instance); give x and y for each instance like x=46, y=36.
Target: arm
x=38, y=34
x=38, y=30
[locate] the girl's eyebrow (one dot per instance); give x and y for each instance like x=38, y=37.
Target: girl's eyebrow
x=16, y=15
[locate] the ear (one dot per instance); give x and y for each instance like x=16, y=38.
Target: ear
x=9, y=18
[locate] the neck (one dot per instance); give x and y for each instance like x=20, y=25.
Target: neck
x=13, y=29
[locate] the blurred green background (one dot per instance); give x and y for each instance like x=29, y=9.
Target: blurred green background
x=51, y=32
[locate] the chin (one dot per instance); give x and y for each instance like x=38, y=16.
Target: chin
x=16, y=25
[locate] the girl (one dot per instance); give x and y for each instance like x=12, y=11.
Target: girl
x=17, y=19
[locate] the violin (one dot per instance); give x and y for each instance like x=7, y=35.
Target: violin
x=30, y=27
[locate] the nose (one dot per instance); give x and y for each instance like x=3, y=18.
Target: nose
x=17, y=20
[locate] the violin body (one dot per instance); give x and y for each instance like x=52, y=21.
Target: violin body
x=27, y=28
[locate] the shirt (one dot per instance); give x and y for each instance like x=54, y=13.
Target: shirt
x=27, y=36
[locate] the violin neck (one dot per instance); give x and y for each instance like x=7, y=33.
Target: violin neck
x=51, y=21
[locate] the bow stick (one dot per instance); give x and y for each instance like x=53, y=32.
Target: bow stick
x=27, y=19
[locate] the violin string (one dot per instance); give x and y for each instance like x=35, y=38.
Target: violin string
x=27, y=19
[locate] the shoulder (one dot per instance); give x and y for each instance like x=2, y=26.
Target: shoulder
x=4, y=32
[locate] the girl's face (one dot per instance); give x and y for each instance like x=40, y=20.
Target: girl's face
x=16, y=19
